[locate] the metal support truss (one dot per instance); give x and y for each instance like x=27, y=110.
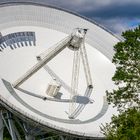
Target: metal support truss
x=74, y=81
x=1, y=127
x=86, y=65
x=40, y=64
x=75, y=42
x=7, y=118
x=75, y=76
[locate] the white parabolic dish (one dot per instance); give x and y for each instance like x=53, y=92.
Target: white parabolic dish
x=51, y=25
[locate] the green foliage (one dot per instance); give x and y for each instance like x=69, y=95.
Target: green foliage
x=6, y=134
x=125, y=126
x=126, y=97
x=127, y=75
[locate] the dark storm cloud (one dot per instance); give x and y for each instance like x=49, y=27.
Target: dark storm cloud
x=113, y=14
x=114, y=11
x=97, y=8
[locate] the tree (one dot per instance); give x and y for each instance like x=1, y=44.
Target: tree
x=127, y=75
x=126, y=97
x=125, y=126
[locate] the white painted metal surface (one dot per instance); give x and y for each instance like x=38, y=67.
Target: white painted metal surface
x=49, y=27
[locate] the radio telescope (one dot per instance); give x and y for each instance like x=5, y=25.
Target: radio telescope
x=55, y=69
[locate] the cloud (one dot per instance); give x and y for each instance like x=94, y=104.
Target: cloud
x=88, y=5
x=116, y=25
x=78, y=5
x=115, y=15
x=112, y=11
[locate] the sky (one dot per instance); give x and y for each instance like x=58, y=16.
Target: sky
x=115, y=15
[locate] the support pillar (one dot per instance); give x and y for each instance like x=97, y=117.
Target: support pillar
x=11, y=126
x=29, y=137
x=1, y=128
